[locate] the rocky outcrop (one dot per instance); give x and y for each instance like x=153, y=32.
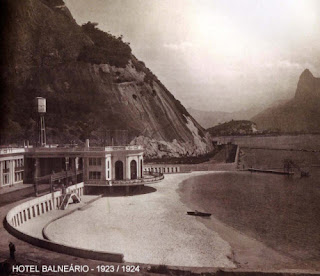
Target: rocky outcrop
x=208, y=119
x=161, y=148
x=242, y=127
x=299, y=115
x=92, y=83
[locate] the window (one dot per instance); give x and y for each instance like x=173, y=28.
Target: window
x=94, y=161
x=18, y=176
x=94, y=175
x=108, y=164
x=6, y=179
x=18, y=163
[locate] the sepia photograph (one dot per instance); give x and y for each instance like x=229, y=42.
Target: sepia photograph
x=160, y=137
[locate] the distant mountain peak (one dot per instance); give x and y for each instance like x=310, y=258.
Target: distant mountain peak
x=308, y=86
x=306, y=74
x=299, y=115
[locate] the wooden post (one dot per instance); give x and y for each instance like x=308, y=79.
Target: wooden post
x=36, y=186
x=75, y=169
x=67, y=163
x=36, y=175
x=51, y=184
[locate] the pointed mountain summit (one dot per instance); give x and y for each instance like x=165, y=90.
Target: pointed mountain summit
x=308, y=87
x=300, y=114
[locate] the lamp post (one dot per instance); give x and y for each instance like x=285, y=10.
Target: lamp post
x=36, y=163
x=67, y=164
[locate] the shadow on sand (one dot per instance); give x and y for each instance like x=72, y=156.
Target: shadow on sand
x=120, y=191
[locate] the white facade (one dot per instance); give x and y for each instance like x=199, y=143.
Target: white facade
x=11, y=166
x=115, y=163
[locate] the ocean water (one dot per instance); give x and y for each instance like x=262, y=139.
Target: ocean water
x=280, y=211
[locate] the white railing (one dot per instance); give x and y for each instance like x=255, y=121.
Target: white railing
x=134, y=147
x=38, y=206
x=82, y=149
x=129, y=182
x=11, y=150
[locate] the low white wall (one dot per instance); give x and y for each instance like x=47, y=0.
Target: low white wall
x=41, y=205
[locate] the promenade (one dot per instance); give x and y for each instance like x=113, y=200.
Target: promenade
x=26, y=253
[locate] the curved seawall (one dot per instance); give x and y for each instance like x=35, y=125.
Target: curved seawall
x=29, y=210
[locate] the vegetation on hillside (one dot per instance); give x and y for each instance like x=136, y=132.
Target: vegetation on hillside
x=90, y=78
x=106, y=48
x=242, y=127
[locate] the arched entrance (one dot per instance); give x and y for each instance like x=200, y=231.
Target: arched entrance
x=119, y=170
x=133, y=169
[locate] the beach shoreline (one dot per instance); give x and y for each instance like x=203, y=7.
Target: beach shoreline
x=248, y=252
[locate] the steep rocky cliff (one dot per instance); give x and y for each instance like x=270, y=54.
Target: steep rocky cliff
x=300, y=115
x=91, y=80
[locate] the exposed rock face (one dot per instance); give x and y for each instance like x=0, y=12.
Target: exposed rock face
x=91, y=80
x=161, y=148
x=300, y=115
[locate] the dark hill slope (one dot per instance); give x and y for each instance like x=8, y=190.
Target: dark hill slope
x=242, y=127
x=91, y=80
x=301, y=114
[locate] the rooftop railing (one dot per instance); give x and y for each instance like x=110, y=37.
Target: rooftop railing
x=11, y=150
x=129, y=182
x=83, y=149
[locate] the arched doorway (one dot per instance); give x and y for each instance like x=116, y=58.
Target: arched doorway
x=119, y=170
x=133, y=169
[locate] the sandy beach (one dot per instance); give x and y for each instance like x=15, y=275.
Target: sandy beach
x=154, y=228
x=151, y=228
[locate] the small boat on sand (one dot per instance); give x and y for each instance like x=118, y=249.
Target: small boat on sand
x=200, y=214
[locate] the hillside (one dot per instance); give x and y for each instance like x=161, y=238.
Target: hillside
x=92, y=83
x=299, y=115
x=233, y=128
x=211, y=118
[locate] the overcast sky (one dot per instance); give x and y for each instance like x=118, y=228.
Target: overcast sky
x=216, y=55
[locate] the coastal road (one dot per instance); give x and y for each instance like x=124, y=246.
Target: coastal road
x=17, y=195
